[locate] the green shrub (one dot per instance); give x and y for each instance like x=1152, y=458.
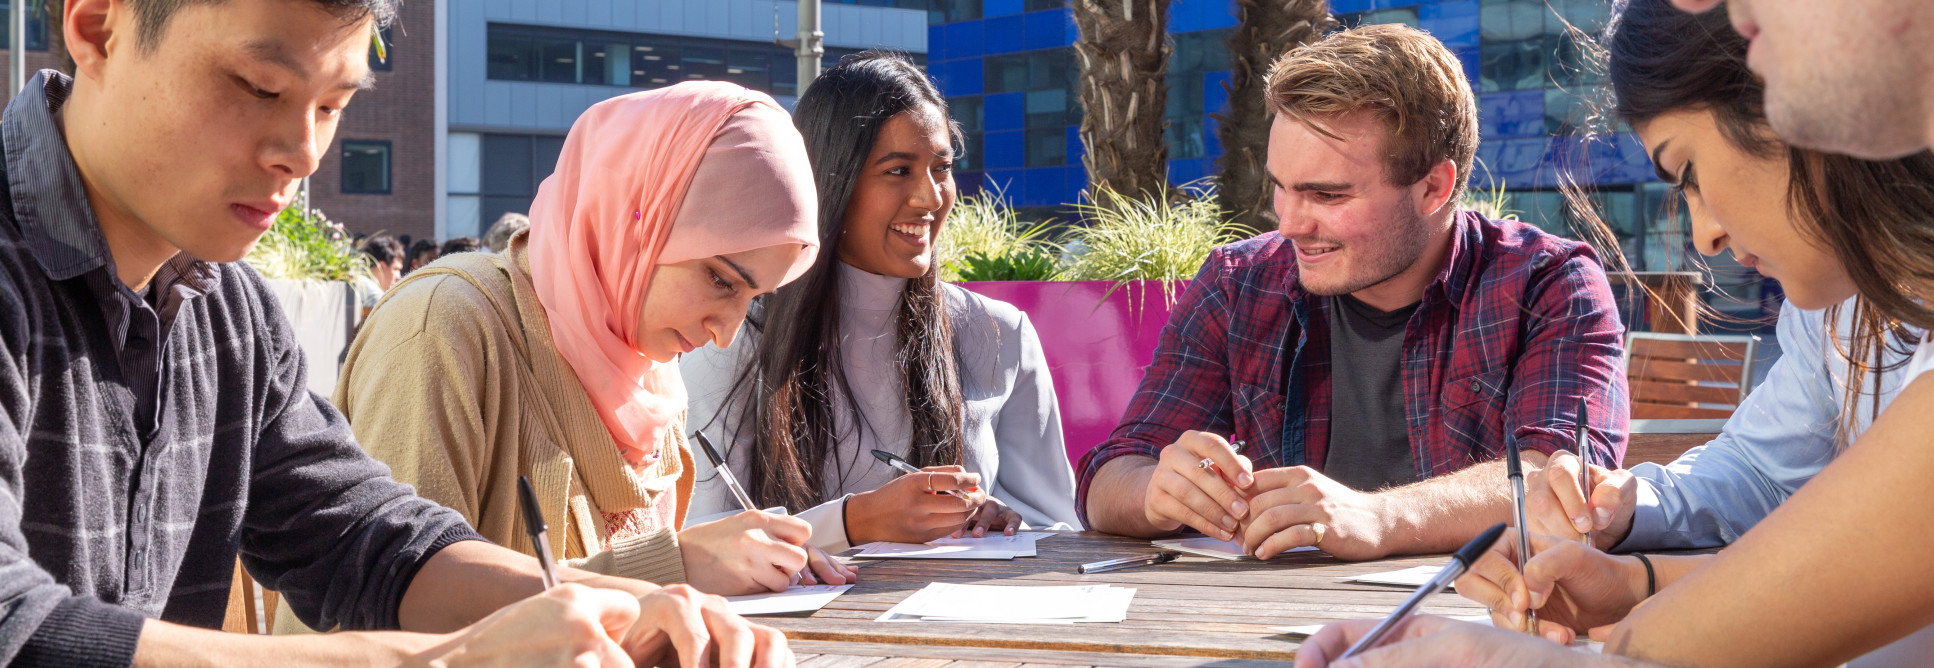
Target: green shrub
x=984, y=237
x=1031, y=264
x=307, y=249
x=1163, y=238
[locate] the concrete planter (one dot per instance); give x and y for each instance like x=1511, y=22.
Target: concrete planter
x=324, y=315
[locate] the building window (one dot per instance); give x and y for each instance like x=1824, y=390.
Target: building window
x=365, y=167
x=36, y=23
x=384, y=63
x=557, y=55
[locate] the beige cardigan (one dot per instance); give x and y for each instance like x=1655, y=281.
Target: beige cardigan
x=454, y=382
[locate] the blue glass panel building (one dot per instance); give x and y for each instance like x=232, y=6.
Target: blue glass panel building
x=1008, y=70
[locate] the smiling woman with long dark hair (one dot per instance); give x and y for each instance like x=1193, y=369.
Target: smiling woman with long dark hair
x=868, y=350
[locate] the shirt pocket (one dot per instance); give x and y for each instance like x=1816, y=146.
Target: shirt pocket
x=1474, y=412
x=1259, y=420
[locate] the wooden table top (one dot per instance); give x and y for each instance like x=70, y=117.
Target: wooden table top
x=1195, y=607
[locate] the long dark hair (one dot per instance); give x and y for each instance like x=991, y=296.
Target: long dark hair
x=1876, y=216
x=796, y=380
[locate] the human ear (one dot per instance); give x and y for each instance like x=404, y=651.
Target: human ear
x=89, y=31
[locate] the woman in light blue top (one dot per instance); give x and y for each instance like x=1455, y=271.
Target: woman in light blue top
x=869, y=351
x=1818, y=488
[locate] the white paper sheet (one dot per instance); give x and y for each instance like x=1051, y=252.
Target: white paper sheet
x=996, y=546
x=1409, y=577
x=795, y=599
x=1580, y=642
x=998, y=604
x=1220, y=549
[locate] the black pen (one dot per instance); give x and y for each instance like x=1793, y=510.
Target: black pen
x=1585, y=464
x=725, y=473
x=1127, y=562
x=1516, y=472
x=895, y=461
x=1460, y=563
x=534, y=524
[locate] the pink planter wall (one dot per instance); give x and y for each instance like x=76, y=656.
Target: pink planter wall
x=1097, y=348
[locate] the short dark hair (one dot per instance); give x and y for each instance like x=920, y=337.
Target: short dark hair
x=151, y=16
x=382, y=248
x=460, y=245
x=421, y=246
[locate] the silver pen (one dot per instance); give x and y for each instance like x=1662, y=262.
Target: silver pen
x=1585, y=465
x=1162, y=557
x=725, y=472
x=1516, y=472
x=904, y=466
x=1460, y=562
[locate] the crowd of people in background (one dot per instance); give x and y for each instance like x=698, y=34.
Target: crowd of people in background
x=704, y=264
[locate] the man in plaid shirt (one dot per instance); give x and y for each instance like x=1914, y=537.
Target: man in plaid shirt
x=1377, y=351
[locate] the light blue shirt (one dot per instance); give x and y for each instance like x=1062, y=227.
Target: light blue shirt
x=1782, y=435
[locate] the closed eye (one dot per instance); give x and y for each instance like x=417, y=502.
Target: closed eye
x=255, y=90
x=719, y=281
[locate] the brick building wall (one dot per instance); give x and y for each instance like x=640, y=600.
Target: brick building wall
x=399, y=110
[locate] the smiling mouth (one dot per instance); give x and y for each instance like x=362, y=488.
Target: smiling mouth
x=915, y=230
x=1321, y=250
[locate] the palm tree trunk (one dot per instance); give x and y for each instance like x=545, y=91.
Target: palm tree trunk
x=1123, y=53
x=1266, y=30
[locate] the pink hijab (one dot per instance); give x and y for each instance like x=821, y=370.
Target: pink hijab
x=694, y=170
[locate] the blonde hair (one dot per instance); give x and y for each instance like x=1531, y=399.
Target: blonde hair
x=1405, y=77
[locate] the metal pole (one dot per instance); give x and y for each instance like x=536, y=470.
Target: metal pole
x=16, y=46
x=810, y=47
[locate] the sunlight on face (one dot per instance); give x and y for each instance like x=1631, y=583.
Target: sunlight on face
x=695, y=302
x=1738, y=201
x=901, y=197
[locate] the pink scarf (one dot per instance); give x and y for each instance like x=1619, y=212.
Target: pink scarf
x=694, y=170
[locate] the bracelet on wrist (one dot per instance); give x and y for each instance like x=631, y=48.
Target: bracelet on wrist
x=1651, y=580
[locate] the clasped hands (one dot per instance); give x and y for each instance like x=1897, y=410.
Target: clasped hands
x=1269, y=511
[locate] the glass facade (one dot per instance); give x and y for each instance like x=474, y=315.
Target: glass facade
x=1006, y=68
x=632, y=60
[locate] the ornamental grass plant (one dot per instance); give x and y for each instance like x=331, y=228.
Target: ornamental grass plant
x=307, y=248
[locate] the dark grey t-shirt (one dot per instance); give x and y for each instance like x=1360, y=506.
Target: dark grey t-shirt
x=1369, y=446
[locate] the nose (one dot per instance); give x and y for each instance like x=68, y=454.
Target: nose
x=1290, y=219
x=929, y=193
x=723, y=327
x=1707, y=236
x=296, y=150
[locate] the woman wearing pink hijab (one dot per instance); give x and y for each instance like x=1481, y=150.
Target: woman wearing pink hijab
x=669, y=211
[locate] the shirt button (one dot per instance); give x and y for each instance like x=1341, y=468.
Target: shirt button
x=137, y=343
x=1475, y=387
x=141, y=515
x=140, y=555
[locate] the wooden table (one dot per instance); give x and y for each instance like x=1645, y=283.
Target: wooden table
x=1192, y=611
x=1660, y=448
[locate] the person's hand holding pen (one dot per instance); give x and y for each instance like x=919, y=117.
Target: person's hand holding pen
x=1208, y=498
x=915, y=507
x=1555, y=505
x=756, y=550
x=1574, y=588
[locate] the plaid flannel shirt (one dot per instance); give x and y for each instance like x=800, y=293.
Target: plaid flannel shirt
x=1514, y=329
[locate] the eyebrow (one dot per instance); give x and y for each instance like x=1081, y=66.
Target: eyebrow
x=1658, y=165
x=274, y=54
x=1321, y=187
x=743, y=274
x=903, y=155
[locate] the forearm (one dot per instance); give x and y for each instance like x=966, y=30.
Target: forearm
x=1844, y=555
x=1443, y=513
x=164, y=644
x=465, y=582
x=1115, y=498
